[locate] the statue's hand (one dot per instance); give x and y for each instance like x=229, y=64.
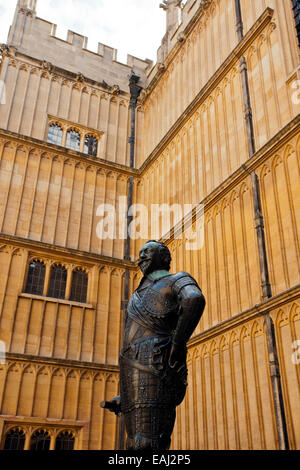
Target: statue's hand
x=176, y=356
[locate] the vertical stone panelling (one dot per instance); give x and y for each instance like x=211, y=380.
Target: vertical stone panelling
x=287, y=326
x=40, y=112
x=281, y=227
x=36, y=219
x=64, y=208
x=56, y=395
x=12, y=380
x=41, y=392
x=233, y=407
x=10, y=86
x=26, y=118
x=26, y=396
x=64, y=101
x=75, y=103
x=114, y=318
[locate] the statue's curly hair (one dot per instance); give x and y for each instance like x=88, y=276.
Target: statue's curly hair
x=164, y=254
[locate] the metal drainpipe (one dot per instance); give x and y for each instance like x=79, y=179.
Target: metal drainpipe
x=259, y=225
x=135, y=91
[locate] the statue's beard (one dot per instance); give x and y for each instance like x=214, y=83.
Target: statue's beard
x=148, y=265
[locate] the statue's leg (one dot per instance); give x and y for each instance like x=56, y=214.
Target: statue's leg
x=150, y=428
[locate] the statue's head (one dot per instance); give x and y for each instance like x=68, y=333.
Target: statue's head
x=153, y=256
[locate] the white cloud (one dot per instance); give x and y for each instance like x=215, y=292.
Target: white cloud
x=132, y=26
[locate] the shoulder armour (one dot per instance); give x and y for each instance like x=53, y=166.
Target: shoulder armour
x=183, y=279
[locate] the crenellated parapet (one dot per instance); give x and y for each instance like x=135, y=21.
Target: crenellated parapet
x=71, y=54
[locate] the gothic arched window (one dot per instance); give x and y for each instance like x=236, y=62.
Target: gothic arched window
x=55, y=134
x=15, y=440
x=79, y=286
x=65, y=441
x=40, y=440
x=91, y=145
x=35, y=278
x=73, y=140
x=58, y=282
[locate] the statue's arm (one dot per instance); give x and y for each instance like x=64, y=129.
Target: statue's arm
x=192, y=303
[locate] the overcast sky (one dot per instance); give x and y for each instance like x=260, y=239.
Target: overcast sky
x=132, y=26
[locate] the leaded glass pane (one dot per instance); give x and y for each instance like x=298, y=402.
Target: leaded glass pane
x=15, y=440
x=91, y=146
x=36, y=278
x=58, y=282
x=55, y=134
x=79, y=286
x=40, y=440
x=73, y=140
x=65, y=441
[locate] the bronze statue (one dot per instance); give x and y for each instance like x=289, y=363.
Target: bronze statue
x=161, y=316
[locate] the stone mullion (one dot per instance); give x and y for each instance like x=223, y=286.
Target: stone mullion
x=3, y=388
x=19, y=288
x=38, y=345
x=21, y=193
x=62, y=164
x=48, y=94
x=95, y=302
x=92, y=211
x=18, y=388
x=49, y=391
x=27, y=439
x=257, y=392
x=52, y=346
x=69, y=282
x=117, y=133
x=12, y=97
x=24, y=98
x=35, y=103
x=87, y=120
x=26, y=326
x=81, y=205
x=6, y=282
x=106, y=320
x=46, y=200
x=245, y=394
x=8, y=190
x=68, y=332
x=33, y=197
x=80, y=336
x=70, y=205
x=234, y=397
x=104, y=202
x=107, y=128
x=91, y=382
x=224, y=400
x=235, y=258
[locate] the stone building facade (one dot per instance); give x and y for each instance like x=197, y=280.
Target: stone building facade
x=216, y=126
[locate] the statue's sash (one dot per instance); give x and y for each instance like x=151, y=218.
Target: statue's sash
x=140, y=315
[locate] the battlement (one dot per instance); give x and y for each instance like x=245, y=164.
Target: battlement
x=36, y=37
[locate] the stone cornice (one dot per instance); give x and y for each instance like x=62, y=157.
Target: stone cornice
x=218, y=76
x=65, y=253
x=46, y=147
x=56, y=362
x=256, y=311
